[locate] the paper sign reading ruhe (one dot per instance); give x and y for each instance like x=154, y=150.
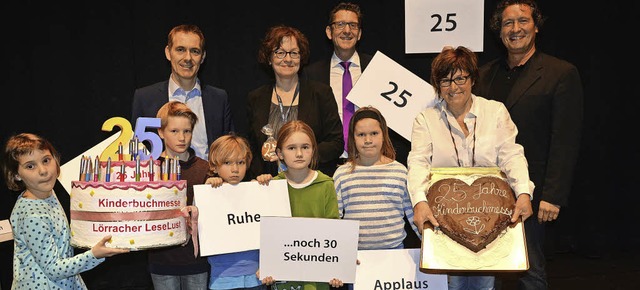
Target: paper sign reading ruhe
x=230, y=215
x=394, y=269
x=308, y=249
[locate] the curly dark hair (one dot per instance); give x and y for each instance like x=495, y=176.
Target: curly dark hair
x=273, y=39
x=495, y=23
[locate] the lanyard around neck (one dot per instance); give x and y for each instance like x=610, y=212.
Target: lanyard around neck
x=284, y=115
x=473, y=150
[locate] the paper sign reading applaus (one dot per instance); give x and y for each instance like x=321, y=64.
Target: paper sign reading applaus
x=394, y=269
x=399, y=94
x=230, y=215
x=308, y=249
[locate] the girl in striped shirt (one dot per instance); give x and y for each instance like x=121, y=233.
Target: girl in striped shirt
x=372, y=186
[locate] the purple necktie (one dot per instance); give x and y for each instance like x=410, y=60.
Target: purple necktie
x=347, y=107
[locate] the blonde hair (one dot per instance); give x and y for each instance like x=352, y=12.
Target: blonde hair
x=228, y=147
x=175, y=109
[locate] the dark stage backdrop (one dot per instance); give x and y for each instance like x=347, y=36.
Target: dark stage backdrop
x=70, y=67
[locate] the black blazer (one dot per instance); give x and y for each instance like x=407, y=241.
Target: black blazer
x=319, y=71
x=546, y=104
x=217, y=109
x=316, y=106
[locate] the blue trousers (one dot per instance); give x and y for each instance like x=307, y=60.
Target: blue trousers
x=184, y=282
x=471, y=282
x=536, y=277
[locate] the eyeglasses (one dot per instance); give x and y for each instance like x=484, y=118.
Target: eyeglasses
x=282, y=54
x=340, y=25
x=461, y=80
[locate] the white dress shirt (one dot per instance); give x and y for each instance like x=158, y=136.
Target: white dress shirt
x=199, y=138
x=491, y=143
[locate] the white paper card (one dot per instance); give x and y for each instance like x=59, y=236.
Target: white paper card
x=399, y=94
x=6, y=233
x=230, y=215
x=431, y=25
x=308, y=249
x=394, y=269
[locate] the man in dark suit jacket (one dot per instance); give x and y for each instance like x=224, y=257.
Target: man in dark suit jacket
x=218, y=118
x=544, y=97
x=344, y=29
x=186, y=53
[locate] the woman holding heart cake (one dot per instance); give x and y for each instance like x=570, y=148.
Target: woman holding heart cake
x=464, y=130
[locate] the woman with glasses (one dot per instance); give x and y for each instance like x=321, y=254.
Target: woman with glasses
x=464, y=130
x=288, y=97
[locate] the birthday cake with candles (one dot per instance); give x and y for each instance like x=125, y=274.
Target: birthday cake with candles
x=136, y=202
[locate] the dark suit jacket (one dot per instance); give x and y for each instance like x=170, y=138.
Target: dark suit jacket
x=217, y=110
x=546, y=104
x=319, y=71
x=316, y=106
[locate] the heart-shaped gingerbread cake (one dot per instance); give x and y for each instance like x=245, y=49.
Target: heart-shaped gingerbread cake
x=472, y=215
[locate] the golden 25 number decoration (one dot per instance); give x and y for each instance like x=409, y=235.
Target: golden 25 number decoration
x=126, y=133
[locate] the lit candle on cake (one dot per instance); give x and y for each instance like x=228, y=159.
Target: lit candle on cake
x=173, y=169
x=178, y=170
x=96, y=169
x=81, y=177
x=131, y=148
x=151, y=172
x=123, y=172
x=165, y=169
x=136, y=145
x=89, y=169
x=107, y=171
x=120, y=152
x=137, y=168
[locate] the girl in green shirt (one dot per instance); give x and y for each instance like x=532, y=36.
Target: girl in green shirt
x=311, y=192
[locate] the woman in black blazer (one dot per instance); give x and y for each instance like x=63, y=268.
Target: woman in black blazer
x=284, y=49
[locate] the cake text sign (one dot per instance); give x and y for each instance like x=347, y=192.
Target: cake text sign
x=472, y=214
x=138, y=215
